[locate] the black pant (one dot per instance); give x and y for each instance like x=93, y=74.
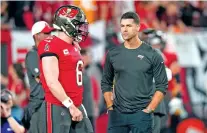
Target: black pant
x=92, y=120
x=35, y=122
x=157, y=123
x=28, y=120
x=139, y=122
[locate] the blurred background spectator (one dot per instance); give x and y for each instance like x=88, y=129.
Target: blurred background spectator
x=10, y=124
x=184, y=26
x=18, y=88
x=5, y=43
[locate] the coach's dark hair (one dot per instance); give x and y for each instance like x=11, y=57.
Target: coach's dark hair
x=131, y=15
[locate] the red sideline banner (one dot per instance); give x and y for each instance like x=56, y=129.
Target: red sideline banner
x=21, y=54
x=22, y=41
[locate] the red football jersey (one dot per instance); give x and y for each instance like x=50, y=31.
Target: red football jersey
x=70, y=69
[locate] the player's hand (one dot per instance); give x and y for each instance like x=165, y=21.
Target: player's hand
x=75, y=113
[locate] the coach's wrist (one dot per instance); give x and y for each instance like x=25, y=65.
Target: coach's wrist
x=111, y=107
x=148, y=110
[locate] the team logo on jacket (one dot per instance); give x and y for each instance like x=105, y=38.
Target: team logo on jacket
x=140, y=57
x=66, y=52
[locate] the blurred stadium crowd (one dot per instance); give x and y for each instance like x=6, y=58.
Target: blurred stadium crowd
x=181, y=18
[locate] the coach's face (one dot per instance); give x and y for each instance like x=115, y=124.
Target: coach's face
x=42, y=36
x=129, y=29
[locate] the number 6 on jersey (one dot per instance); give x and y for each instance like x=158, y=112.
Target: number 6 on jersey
x=79, y=73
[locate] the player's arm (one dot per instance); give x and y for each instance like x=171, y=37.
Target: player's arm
x=49, y=54
x=32, y=65
x=161, y=82
x=107, y=82
x=51, y=73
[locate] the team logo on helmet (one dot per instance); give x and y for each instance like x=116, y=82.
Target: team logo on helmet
x=68, y=12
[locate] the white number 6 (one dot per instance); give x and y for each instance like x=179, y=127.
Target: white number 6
x=79, y=73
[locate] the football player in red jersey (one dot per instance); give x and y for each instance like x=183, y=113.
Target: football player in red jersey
x=61, y=74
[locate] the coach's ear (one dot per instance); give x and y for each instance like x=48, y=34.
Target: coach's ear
x=138, y=27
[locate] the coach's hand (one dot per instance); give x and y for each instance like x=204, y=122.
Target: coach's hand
x=75, y=113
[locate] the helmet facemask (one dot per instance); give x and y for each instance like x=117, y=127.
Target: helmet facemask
x=82, y=31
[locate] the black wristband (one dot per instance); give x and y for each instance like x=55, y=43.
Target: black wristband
x=8, y=117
